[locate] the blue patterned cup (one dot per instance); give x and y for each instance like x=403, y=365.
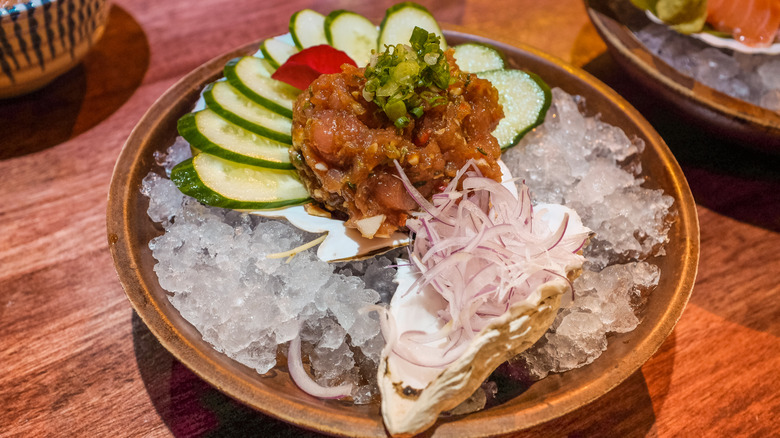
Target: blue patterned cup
x=42, y=39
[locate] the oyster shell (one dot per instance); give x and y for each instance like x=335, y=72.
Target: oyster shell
x=341, y=243
x=413, y=395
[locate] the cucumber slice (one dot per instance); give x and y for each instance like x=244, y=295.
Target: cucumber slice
x=307, y=29
x=476, y=57
x=525, y=98
x=222, y=183
x=399, y=22
x=230, y=104
x=351, y=33
x=250, y=76
x=276, y=52
x=208, y=132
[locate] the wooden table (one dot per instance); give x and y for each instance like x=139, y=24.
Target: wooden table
x=76, y=361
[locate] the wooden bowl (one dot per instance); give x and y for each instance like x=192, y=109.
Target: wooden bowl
x=740, y=121
x=42, y=39
x=130, y=229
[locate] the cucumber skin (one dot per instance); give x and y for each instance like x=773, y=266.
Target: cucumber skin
x=230, y=74
x=290, y=28
x=540, y=118
x=542, y=113
x=187, y=180
x=500, y=54
x=268, y=56
x=328, y=20
x=188, y=129
x=361, y=58
x=213, y=105
x=392, y=9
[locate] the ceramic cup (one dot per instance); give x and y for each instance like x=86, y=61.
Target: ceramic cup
x=42, y=39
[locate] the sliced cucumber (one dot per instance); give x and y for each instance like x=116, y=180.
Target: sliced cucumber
x=250, y=76
x=476, y=57
x=210, y=133
x=230, y=104
x=525, y=98
x=222, y=183
x=399, y=22
x=307, y=29
x=353, y=34
x=276, y=52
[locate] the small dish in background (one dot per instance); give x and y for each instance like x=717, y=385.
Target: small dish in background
x=739, y=120
x=42, y=39
x=725, y=43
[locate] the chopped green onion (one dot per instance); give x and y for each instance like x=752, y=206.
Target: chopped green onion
x=401, y=122
x=406, y=76
x=396, y=109
x=419, y=37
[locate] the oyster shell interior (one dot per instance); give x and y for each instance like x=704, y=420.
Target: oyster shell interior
x=341, y=243
x=413, y=396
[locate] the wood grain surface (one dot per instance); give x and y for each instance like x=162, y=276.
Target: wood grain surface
x=76, y=361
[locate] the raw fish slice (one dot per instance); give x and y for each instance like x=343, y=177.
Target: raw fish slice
x=752, y=22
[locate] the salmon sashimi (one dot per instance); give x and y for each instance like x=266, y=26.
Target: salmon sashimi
x=752, y=22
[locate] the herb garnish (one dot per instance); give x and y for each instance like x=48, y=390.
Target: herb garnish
x=404, y=78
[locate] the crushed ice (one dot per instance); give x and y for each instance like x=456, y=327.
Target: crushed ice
x=213, y=263
x=594, y=168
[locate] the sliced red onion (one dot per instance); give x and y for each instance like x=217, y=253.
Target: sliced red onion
x=479, y=248
x=560, y=232
x=306, y=383
x=413, y=192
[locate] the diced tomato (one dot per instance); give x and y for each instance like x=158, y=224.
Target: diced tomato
x=422, y=138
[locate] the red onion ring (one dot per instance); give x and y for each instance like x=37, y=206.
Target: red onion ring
x=305, y=382
x=478, y=248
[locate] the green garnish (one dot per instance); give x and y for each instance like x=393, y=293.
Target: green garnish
x=401, y=122
x=404, y=78
x=684, y=16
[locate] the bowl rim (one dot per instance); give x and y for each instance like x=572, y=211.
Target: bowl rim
x=501, y=419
